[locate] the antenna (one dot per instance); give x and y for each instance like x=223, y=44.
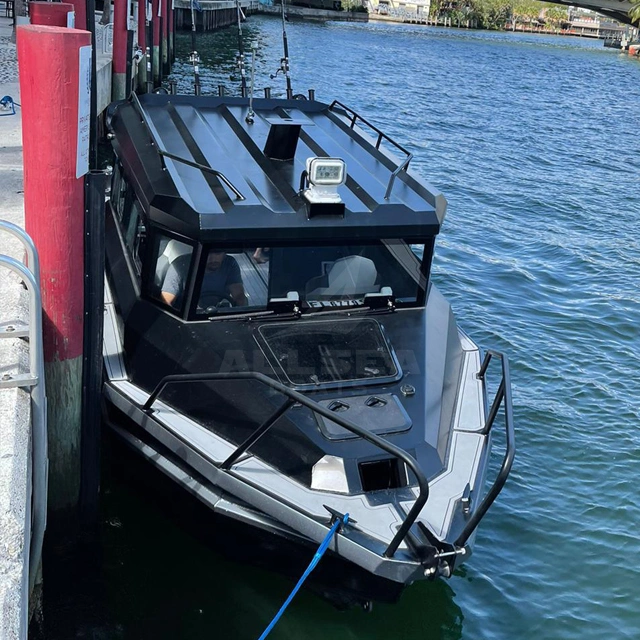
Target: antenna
x=194, y=58
x=251, y=114
x=284, y=62
x=240, y=59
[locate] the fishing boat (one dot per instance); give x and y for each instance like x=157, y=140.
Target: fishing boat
x=274, y=343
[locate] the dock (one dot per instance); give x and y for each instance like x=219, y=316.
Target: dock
x=214, y=14
x=305, y=13
x=15, y=409
x=23, y=467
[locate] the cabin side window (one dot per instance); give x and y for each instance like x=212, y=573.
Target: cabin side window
x=118, y=190
x=128, y=211
x=170, y=277
x=134, y=232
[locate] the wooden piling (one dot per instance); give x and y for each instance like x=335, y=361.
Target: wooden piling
x=149, y=50
x=172, y=33
x=120, y=24
x=54, y=14
x=209, y=19
x=80, y=9
x=166, y=68
x=155, y=5
x=55, y=134
x=142, y=43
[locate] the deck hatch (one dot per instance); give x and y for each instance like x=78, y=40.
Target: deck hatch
x=380, y=414
x=320, y=354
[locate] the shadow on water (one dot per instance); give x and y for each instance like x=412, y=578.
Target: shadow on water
x=162, y=566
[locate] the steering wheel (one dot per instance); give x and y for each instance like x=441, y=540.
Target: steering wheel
x=211, y=300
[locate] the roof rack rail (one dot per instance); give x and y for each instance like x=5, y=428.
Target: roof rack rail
x=355, y=117
x=165, y=154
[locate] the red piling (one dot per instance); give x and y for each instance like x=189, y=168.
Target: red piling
x=54, y=14
x=119, y=89
x=165, y=36
x=55, y=66
x=155, y=6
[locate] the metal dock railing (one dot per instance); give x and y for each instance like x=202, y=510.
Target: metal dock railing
x=33, y=382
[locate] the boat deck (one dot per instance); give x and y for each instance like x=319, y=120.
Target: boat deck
x=258, y=195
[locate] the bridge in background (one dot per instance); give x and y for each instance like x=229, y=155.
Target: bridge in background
x=616, y=9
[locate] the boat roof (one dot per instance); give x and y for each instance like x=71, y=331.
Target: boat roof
x=200, y=169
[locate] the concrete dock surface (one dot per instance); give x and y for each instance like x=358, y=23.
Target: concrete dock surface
x=15, y=418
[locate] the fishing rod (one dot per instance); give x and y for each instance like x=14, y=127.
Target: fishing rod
x=251, y=113
x=240, y=59
x=194, y=58
x=284, y=62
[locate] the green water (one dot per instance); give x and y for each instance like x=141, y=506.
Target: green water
x=533, y=139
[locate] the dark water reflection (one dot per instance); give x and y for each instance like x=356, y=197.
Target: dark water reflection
x=164, y=568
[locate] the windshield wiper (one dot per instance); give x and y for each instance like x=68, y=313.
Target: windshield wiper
x=349, y=310
x=380, y=302
x=247, y=316
x=276, y=307
x=262, y=316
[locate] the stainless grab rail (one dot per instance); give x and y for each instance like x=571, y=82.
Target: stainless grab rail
x=163, y=153
x=355, y=117
x=503, y=394
x=293, y=398
x=34, y=381
x=403, y=166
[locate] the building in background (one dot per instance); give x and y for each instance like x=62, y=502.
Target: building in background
x=399, y=9
x=584, y=22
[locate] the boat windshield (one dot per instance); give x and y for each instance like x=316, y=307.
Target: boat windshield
x=239, y=279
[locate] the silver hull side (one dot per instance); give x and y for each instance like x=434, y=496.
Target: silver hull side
x=281, y=505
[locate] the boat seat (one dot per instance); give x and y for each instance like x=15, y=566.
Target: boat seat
x=170, y=251
x=349, y=276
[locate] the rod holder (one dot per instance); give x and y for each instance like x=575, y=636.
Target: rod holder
x=173, y=87
x=221, y=91
x=289, y=94
x=267, y=92
x=312, y=94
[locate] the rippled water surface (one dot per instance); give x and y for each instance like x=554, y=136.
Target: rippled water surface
x=534, y=141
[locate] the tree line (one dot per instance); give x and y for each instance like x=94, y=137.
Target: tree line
x=495, y=14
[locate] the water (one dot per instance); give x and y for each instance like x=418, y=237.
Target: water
x=534, y=142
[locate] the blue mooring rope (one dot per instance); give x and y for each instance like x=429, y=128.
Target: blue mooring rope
x=7, y=102
x=312, y=565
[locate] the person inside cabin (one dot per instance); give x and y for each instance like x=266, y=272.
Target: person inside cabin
x=221, y=282
x=261, y=255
